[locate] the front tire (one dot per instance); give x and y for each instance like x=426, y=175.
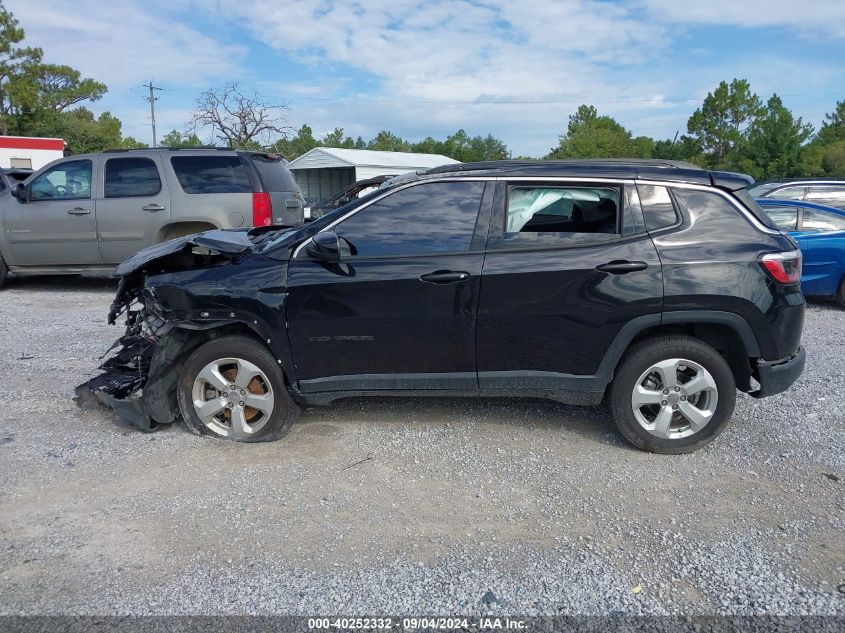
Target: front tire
x=672, y=394
x=840, y=295
x=232, y=388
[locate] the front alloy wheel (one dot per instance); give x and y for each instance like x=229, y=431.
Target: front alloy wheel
x=233, y=388
x=232, y=397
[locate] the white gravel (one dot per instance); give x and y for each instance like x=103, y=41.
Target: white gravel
x=542, y=505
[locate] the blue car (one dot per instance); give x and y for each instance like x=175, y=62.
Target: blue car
x=820, y=232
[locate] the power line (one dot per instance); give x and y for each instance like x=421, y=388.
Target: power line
x=152, y=99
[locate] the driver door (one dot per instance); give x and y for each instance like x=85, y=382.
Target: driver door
x=56, y=224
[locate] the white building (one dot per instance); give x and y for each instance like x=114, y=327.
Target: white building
x=28, y=152
x=324, y=171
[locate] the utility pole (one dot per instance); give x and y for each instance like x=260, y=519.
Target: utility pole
x=152, y=99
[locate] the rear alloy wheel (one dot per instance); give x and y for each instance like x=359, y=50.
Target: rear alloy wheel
x=232, y=388
x=672, y=394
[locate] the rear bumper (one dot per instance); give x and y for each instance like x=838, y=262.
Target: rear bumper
x=777, y=376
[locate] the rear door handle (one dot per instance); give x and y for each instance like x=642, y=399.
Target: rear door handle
x=621, y=267
x=78, y=211
x=445, y=277
x=153, y=207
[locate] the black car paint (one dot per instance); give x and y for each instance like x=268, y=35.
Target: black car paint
x=533, y=322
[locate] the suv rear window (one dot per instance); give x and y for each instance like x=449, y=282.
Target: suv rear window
x=211, y=174
x=273, y=174
x=131, y=177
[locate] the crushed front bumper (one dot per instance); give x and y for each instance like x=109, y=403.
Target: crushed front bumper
x=779, y=375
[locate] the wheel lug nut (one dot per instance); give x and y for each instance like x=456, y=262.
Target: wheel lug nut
x=230, y=405
x=665, y=392
x=683, y=398
x=241, y=403
x=232, y=387
x=674, y=407
x=664, y=403
x=242, y=392
x=677, y=388
x=225, y=395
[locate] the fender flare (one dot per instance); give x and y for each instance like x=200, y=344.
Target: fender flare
x=681, y=317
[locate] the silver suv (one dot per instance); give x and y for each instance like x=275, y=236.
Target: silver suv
x=86, y=213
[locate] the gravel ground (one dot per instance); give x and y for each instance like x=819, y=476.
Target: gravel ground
x=542, y=505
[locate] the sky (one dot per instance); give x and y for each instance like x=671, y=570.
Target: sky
x=515, y=69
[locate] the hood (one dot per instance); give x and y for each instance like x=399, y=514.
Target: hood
x=225, y=242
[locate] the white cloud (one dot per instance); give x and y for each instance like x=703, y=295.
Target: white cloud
x=811, y=17
x=123, y=43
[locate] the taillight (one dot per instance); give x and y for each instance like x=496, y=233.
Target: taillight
x=262, y=209
x=784, y=267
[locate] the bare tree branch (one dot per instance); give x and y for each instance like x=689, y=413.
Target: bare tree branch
x=240, y=120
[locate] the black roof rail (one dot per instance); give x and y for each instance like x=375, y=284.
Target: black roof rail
x=598, y=162
x=168, y=149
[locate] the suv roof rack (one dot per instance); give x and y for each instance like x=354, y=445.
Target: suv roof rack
x=598, y=162
x=168, y=149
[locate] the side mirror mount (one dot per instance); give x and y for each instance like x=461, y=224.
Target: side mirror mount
x=325, y=246
x=20, y=192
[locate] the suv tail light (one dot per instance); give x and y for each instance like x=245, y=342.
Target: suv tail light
x=262, y=209
x=784, y=267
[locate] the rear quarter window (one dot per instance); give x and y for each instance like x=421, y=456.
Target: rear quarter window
x=211, y=174
x=272, y=172
x=756, y=210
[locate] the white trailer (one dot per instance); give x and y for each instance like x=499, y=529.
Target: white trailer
x=28, y=152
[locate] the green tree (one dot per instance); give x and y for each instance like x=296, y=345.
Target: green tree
x=719, y=125
x=590, y=135
x=290, y=148
x=833, y=128
x=31, y=92
x=388, y=142
x=179, y=140
x=775, y=143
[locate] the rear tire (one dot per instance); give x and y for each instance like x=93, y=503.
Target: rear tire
x=4, y=272
x=258, y=408
x=672, y=394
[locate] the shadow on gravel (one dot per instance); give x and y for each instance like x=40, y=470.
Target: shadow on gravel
x=60, y=283
x=590, y=422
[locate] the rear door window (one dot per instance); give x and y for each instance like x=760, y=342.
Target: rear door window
x=211, y=174
x=817, y=221
x=131, y=177
x=574, y=215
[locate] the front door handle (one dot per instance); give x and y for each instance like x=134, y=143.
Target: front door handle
x=153, y=207
x=78, y=211
x=445, y=277
x=621, y=267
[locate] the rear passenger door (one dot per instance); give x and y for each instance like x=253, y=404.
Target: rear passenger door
x=568, y=264
x=133, y=207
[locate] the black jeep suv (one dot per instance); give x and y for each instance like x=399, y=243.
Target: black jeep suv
x=659, y=285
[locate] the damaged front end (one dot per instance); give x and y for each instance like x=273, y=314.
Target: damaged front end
x=139, y=380
x=121, y=385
